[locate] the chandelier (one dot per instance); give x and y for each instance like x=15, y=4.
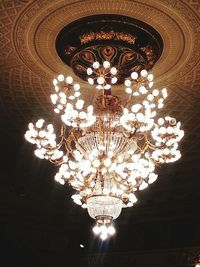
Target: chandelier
x=110, y=149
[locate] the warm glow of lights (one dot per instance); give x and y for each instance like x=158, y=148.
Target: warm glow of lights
x=108, y=151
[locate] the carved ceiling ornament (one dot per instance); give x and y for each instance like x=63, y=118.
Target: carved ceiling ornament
x=40, y=19
x=101, y=37
x=29, y=59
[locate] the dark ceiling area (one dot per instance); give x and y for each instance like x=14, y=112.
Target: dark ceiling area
x=39, y=223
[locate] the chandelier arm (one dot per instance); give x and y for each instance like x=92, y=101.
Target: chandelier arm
x=148, y=143
x=130, y=187
x=68, y=141
x=128, y=135
x=57, y=162
x=128, y=101
x=79, y=146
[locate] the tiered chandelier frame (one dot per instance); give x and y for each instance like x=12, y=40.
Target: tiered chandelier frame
x=110, y=149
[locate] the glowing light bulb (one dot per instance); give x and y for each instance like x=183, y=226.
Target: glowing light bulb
x=69, y=79
x=55, y=82
x=103, y=229
x=54, y=98
x=150, y=77
x=80, y=104
x=144, y=73
x=127, y=83
x=96, y=163
x=152, y=178
x=134, y=75
x=39, y=123
x=96, y=65
x=61, y=78
x=161, y=121
x=114, y=80
x=96, y=229
x=103, y=237
x=77, y=86
x=89, y=71
x=113, y=71
x=111, y=230
x=106, y=64
x=100, y=80
x=90, y=81
x=155, y=92
x=107, y=86
x=128, y=90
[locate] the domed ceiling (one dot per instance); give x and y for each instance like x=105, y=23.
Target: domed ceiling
x=29, y=62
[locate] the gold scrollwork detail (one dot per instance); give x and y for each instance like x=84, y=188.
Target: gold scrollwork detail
x=107, y=35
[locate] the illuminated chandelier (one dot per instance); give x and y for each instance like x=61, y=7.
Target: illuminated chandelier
x=109, y=149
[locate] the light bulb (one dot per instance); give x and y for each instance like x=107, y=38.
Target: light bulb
x=96, y=163
x=144, y=73
x=107, y=86
x=150, y=97
x=82, y=115
x=150, y=77
x=140, y=117
x=161, y=121
x=55, y=82
x=30, y=126
x=113, y=71
x=96, y=229
x=143, y=186
x=90, y=109
x=80, y=104
x=132, y=198
x=160, y=105
x=100, y=80
x=143, y=90
x=78, y=202
x=150, y=84
x=134, y=75
x=89, y=71
x=77, y=86
x=152, y=178
x=106, y=64
x=61, y=78
x=90, y=81
x=155, y=92
x=128, y=90
x=114, y=80
x=103, y=229
x=164, y=92
x=54, y=98
x=103, y=236
x=163, y=130
x=69, y=79
x=96, y=65
x=39, y=123
x=111, y=230
x=56, y=110
x=99, y=87
x=127, y=83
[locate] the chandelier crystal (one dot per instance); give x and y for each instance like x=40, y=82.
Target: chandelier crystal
x=109, y=150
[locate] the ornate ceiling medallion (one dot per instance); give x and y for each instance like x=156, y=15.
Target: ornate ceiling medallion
x=128, y=44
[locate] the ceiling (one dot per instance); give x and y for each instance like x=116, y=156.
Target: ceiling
x=38, y=213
